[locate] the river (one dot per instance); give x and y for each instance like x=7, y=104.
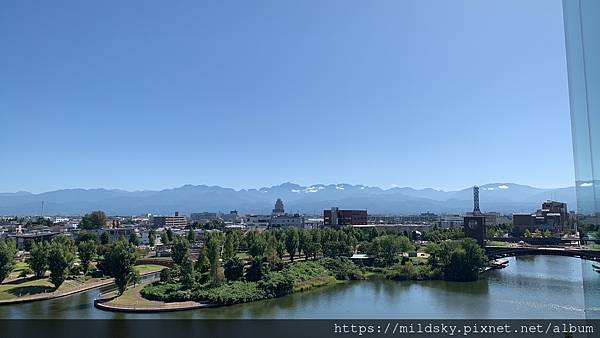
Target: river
x=543, y=287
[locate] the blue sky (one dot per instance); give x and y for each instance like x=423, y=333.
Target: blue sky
x=156, y=94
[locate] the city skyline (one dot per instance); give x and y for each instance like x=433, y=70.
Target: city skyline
x=247, y=96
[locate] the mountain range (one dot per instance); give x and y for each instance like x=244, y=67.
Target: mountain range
x=500, y=197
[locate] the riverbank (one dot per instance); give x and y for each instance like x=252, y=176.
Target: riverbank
x=132, y=301
x=42, y=289
x=166, y=297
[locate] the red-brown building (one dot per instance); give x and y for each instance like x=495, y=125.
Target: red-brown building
x=336, y=216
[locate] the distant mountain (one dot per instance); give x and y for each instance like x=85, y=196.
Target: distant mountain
x=500, y=197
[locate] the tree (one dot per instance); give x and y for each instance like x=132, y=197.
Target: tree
x=87, y=252
x=292, y=241
x=180, y=248
x=256, y=243
x=303, y=239
x=203, y=263
x=191, y=236
x=38, y=258
x=271, y=250
x=120, y=260
x=94, y=220
x=8, y=252
x=457, y=260
x=228, y=247
x=152, y=237
x=188, y=278
x=134, y=239
x=170, y=235
x=257, y=269
x=86, y=236
x=164, y=239
x=61, y=256
x=234, y=269
x=104, y=239
x=213, y=249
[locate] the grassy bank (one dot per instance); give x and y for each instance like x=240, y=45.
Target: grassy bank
x=294, y=277
x=17, y=287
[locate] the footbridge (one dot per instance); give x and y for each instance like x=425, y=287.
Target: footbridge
x=494, y=252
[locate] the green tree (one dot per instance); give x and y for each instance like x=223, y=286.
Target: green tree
x=303, y=242
x=170, y=235
x=271, y=250
x=86, y=236
x=94, y=220
x=180, y=249
x=213, y=250
x=61, y=256
x=164, y=239
x=104, y=238
x=87, y=252
x=38, y=258
x=191, y=236
x=234, y=269
x=187, y=271
x=257, y=269
x=203, y=263
x=120, y=260
x=229, y=246
x=152, y=237
x=292, y=241
x=134, y=239
x=8, y=252
x=457, y=260
x=256, y=243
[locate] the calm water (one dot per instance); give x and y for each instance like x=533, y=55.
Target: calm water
x=531, y=287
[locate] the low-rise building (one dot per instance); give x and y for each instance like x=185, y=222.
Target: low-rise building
x=177, y=221
x=286, y=220
x=337, y=216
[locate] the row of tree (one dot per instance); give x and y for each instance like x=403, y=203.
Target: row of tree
x=59, y=256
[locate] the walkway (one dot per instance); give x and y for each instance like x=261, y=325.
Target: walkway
x=132, y=301
x=68, y=292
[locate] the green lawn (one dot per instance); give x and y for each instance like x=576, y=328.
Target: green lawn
x=29, y=287
x=498, y=243
x=132, y=297
x=143, y=268
x=20, y=266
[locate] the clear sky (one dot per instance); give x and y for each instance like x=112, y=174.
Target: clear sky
x=157, y=94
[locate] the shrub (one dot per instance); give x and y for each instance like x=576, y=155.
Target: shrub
x=160, y=291
x=25, y=272
x=342, y=268
x=276, y=284
x=231, y=293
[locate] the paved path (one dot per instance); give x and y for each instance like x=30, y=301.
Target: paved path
x=140, y=304
x=69, y=292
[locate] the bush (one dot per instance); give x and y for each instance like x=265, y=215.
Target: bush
x=276, y=284
x=230, y=293
x=164, y=292
x=342, y=268
x=25, y=272
x=166, y=276
x=409, y=271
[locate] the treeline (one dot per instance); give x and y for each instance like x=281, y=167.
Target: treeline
x=60, y=254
